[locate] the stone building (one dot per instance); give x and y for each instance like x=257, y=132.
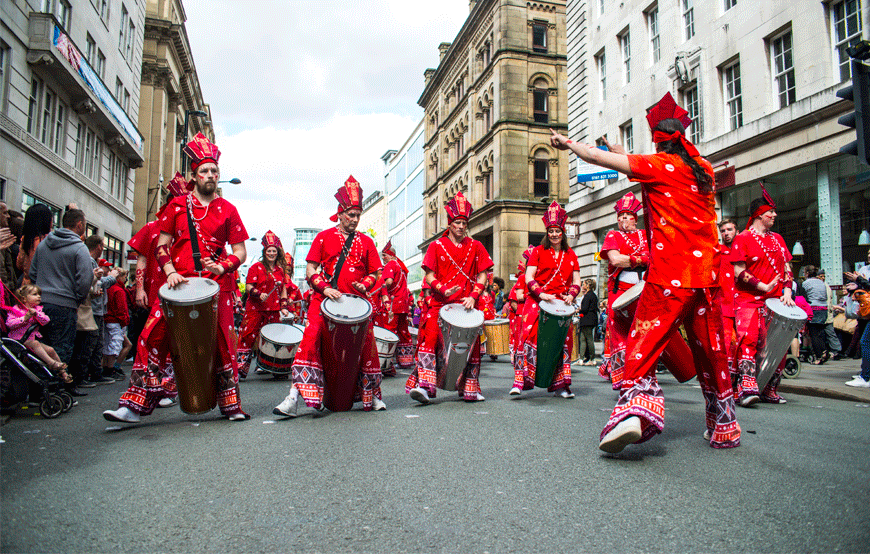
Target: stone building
x=69, y=99
x=170, y=100
x=499, y=87
x=759, y=79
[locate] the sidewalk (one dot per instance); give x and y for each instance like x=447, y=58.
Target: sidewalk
x=827, y=381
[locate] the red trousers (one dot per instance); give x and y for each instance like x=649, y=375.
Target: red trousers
x=660, y=312
x=616, y=332
x=751, y=323
x=146, y=388
x=249, y=332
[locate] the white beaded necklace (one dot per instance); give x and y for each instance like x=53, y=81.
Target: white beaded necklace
x=767, y=251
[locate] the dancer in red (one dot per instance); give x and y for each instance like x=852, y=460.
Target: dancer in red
x=455, y=267
x=340, y=261
x=682, y=284
x=517, y=300
x=394, y=300
x=553, y=272
x=267, y=297
x=627, y=255
x=728, y=230
x=762, y=270
x=216, y=223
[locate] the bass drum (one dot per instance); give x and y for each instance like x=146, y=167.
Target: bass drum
x=460, y=328
x=278, y=344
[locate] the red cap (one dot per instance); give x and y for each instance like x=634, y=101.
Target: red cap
x=104, y=263
x=201, y=150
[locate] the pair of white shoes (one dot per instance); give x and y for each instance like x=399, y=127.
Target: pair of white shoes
x=564, y=393
x=122, y=415
x=858, y=381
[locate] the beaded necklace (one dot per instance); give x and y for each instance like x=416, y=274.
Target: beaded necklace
x=767, y=251
x=558, y=267
x=457, y=266
x=635, y=247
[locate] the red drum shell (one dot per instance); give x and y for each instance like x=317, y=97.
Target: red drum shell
x=342, y=347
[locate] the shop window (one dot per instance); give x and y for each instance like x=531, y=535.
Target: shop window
x=112, y=250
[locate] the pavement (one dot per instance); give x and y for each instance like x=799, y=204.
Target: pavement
x=827, y=381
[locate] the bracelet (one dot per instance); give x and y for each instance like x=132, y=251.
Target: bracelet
x=437, y=286
x=163, y=256
x=231, y=263
x=478, y=288
x=318, y=282
x=534, y=288
x=140, y=277
x=284, y=303
x=368, y=282
x=574, y=290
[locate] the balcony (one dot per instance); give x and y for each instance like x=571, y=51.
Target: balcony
x=55, y=54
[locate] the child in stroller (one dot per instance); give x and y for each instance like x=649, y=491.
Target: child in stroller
x=20, y=322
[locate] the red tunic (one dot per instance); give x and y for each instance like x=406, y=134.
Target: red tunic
x=456, y=264
x=362, y=258
x=116, y=306
x=217, y=224
x=765, y=257
x=684, y=255
x=259, y=281
x=398, y=291
x=554, y=271
x=630, y=244
x=144, y=242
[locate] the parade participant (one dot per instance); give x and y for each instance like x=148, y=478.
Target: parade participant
x=216, y=223
x=517, y=299
x=761, y=271
x=340, y=261
x=267, y=298
x=627, y=254
x=294, y=297
x=682, y=283
x=394, y=301
x=486, y=304
x=728, y=230
x=552, y=272
x=455, y=266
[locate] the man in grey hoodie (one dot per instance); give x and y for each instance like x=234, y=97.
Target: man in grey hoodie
x=88, y=352
x=63, y=269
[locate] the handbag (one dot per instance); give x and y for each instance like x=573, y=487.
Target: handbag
x=842, y=323
x=86, y=321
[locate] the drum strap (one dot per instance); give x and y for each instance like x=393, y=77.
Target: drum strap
x=344, y=252
x=194, y=240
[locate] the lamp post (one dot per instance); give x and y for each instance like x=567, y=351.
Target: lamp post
x=233, y=181
x=187, y=114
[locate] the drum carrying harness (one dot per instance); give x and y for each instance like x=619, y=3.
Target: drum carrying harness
x=194, y=239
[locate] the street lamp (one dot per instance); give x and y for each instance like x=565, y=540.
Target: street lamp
x=187, y=114
x=234, y=181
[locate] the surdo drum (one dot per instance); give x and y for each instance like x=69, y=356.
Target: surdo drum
x=386, y=342
x=497, y=332
x=459, y=329
x=347, y=321
x=277, y=347
x=783, y=324
x=190, y=310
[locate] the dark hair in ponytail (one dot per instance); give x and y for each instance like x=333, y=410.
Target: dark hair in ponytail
x=669, y=126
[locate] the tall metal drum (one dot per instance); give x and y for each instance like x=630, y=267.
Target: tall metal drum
x=190, y=310
x=459, y=329
x=783, y=324
x=347, y=321
x=554, y=322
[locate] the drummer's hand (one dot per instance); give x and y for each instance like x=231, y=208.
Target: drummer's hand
x=141, y=298
x=285, y=312
x=547, y=297
x=174, y=279
x=360, y=288
x=468, y=303
x=263, y=296
x=767, y=287
x=332, y=293
x=786, y=298
x=568, y=299
x=451, y=291
x=210, y=265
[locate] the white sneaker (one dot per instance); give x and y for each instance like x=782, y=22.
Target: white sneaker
x=289, y=405
x=708, y=435
x=476, y=397
x=748, y=400
x=378, y=404
x=516, y=391
x=420, y=395
x=858, y=381
x=626, y=432
x=167, y=402
x=122, y=415
x=565, y=393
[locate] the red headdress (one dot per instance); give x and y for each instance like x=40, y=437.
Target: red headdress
x=556, y=216
x=271, y=239
x=667, y=109
x=524, y=259
x=458, y=208
x=628, y=203
x=179, y=186
x=389, y=249
x=288, y=258
x=765, y=204
x=201, y=150
x=349, y=196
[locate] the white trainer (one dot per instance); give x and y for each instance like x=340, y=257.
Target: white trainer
x=858, y=381
x=378, y=404
x=626, y=432
x=747, y=401
x=708, y=435
x=565, y=393
x=167, y=402
x=122, y=415
x=515, y=391
x=476, y=397
x=420, y=395
x=289, y=405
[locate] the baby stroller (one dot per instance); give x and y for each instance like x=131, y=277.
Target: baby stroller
x=21, y=370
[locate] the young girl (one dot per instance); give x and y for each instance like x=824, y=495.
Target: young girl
x=21, y=318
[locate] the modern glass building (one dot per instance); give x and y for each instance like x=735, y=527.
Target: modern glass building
x=304, y=238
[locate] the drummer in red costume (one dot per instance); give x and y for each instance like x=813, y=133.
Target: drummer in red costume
x=682, y=284
x=728, y=230
x=762, y=270
x=149, y=279
x=627, y=255
x=552, y=272
x=294, y=297
x=517, y=299
x=455, y=266
x=217, y=223
x=267, y=297
x=357, y=274
x=394, y=301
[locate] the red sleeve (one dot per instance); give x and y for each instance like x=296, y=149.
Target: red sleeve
x=534, y=258
x=389, y=271
x=784, y=248
x=139, y=242
x=236, y=229
x=484, y=262
x=167, y=221
x=373, y=260
x=315, y=251
x=572, y=259
x=738, y=250
x=430, y=260
x=254, y=275
x=644, y=168
x=610, y=242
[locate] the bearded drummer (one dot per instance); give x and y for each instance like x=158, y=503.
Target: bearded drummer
x=627, y=254
x=149, y=279
x=394, y=299
x=761, y=270
x=553, y=272
x=455, y=267
x=267, y=297
x=216, y=223
x=682, y=284
x=340, y=261
x=294, y=297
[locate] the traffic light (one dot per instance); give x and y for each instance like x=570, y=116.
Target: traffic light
x=859, y=94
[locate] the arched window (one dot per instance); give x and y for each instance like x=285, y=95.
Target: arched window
x=540, y=93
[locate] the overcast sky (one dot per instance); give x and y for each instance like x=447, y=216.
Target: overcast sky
x=304, y=93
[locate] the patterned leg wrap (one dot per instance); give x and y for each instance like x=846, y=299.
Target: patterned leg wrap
x=644, y=399
x=405, y=356
x=144, y=392
x=308, y=378
x=424, y=374
x=228, y=393
x=746, y=384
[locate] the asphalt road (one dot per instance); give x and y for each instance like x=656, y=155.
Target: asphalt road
x=505, y=475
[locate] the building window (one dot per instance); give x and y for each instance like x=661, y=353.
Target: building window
x=28, y=200
x=846, y=17
x=783, y=69
x=652, y=18
x=487, y=185
x=59, y=134
x=690, y=100
x=47, y=124
x=117, y=176
x=542, y=174
x=126, y=102
x=104, y=10
x=600, y=62
x=627, y=132
x=60, y=9
x=625, y=44
x=101, y=64
x=112, y=250
x=540, y=94
x=689, y=18
x=90, y=49
x=730, y=4
x=539, y=37
x=131, y=33
x=733, y=96
x=125, y=24
x=119, y=89
x=51, y=127
x=89, y=153
x=36, y=88
x=4, y=70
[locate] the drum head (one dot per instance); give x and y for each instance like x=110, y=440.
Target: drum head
x=347, y=309
x=788, y=312
x=194, y=291
x=456, y=314
x=557, y=307
x=496, y=321
x=385, y=335
x=281, y=333
x=628, y=296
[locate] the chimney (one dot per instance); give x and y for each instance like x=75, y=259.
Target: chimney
x=427, y=76
x=442, y=49
x=471, y=4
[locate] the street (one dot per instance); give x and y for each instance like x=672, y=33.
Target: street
x=506, y=475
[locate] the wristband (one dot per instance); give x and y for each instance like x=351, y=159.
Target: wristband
x=787, y=285
x=368, y=282
x=534, y=288
x=253, y=291
x=318, y=282
x=478, y=288
x=285, y=303
x=753, y=282
x=574, y=290
x=437, y=286
x=162, y=255
x=231, y=263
